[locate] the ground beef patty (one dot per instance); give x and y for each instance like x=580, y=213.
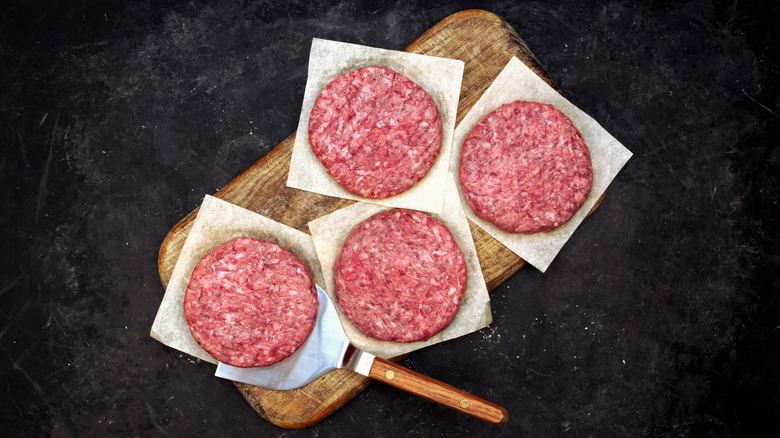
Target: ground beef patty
x=377, y=132
x=400, y=276
x=525, y=168
x=250, y=303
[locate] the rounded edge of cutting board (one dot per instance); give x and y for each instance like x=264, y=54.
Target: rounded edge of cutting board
x=307, y=406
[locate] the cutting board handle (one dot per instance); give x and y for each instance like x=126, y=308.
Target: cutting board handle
x=423, y=386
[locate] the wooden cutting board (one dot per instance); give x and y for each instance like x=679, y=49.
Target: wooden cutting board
x=485, y=43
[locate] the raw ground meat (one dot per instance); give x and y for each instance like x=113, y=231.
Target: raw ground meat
x=525, y=168
x=250, y=303
x=377, y=132
x=400, y=276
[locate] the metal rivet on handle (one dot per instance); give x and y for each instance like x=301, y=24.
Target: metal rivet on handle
x=464, y=403
x=389, y=374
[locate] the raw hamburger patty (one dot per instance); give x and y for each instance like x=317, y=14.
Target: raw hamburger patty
x=377, y=132
x=525, y=168
x=400, y=276
x=250, y=303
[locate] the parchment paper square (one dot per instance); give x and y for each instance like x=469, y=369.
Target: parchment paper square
x=217, y=222
x=608, y=156
x=329, y=233
x=440, y=77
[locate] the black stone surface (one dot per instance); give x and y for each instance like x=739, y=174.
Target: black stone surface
x=658, y=318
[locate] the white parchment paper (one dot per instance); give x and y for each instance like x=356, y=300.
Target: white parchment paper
x=440, y=77
x=329, y=233
x=608, y=156
x=217, y=222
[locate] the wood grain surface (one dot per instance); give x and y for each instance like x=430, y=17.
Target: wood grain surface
x=485, y=43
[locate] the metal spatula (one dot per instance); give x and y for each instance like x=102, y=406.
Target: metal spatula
x=328, y=348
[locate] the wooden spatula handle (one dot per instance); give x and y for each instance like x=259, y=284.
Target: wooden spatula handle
x=423, y=386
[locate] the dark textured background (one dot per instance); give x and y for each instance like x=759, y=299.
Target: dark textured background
x=658, y=318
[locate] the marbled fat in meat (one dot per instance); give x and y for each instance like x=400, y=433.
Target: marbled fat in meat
x=376, y=132
x=250, y=303
x=400, y=276
x=525, y=168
